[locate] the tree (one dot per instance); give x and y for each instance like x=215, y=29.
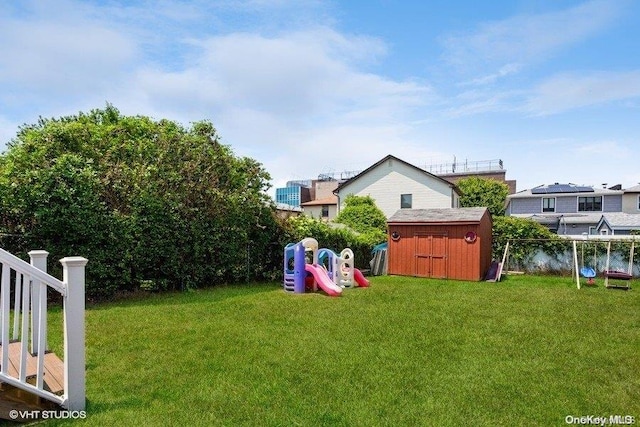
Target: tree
x=143, y=200
x=481, y=192
x=362, y=215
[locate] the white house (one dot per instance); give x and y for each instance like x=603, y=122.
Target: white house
x=325, y=209
x=395, y=184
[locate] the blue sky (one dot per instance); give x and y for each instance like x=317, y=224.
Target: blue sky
x=307, y=87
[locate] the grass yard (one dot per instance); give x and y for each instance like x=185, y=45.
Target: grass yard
x=527, y=351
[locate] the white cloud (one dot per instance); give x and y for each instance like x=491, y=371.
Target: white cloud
x=504, y=71
x=299, y=95
x=609, y=149
x=297, y=74
x=474, y=102
x=570, y=91
x=554, y=95
x=525, y=39
x=61, y=54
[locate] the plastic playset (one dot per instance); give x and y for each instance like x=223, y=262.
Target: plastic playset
x=307, y=268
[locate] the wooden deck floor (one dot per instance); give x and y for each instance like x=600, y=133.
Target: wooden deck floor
x=12, y=398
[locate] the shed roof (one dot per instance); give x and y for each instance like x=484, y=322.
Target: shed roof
x=442, y=215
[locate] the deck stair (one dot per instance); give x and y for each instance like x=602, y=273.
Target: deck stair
x=53, y=368
x=31, y=375
x=12, y=398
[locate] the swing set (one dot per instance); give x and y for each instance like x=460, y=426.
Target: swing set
x=613, y=278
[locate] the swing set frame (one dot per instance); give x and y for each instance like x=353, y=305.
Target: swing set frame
x=621, y=279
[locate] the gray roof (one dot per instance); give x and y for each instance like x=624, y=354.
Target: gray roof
x=439, y=215
x=622, y=220
x=535, y=194
x=635, y=189
x=567, y=218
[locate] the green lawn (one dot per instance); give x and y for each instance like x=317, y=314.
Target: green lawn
x=527, y=351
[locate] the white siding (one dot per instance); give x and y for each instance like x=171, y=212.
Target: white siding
x=630, y=203
x=315, y=211
x=389, y=180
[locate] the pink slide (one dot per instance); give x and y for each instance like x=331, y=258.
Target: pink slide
x=323, y=280
x=360, y=279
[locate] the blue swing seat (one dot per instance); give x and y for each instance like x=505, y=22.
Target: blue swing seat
x=588, y=272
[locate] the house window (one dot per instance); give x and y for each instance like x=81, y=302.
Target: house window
x=639, y=203
x=588, y=204
x=405, y=201
x=325, y=211
x=549, y=204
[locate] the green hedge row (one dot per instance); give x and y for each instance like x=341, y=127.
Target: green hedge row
x=149, y=203
x=336, y=237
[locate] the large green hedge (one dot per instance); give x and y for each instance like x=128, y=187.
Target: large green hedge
x=146, y=201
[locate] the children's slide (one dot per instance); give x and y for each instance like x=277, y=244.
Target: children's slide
x=360, y=279
x=323, y=280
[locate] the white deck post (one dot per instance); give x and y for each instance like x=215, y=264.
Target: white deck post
x=39, y=261
x=74, y=335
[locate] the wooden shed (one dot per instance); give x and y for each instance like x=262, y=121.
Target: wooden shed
x=452, y=243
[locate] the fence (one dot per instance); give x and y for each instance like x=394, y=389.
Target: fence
x=24, y=341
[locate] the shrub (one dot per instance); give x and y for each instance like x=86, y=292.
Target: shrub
x=145, y=201
x=537, y=236
x=483, y=192
x=361, y=214
x=336, y=238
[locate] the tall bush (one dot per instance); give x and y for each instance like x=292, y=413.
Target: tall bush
x=142, y=199
x=483, y=192
x=362, y=215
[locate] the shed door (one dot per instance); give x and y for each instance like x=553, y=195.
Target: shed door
x=431, y=255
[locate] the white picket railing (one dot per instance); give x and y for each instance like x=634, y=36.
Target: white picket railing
x=30, y=284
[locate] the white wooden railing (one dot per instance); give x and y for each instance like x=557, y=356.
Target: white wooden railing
x=30, y=284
